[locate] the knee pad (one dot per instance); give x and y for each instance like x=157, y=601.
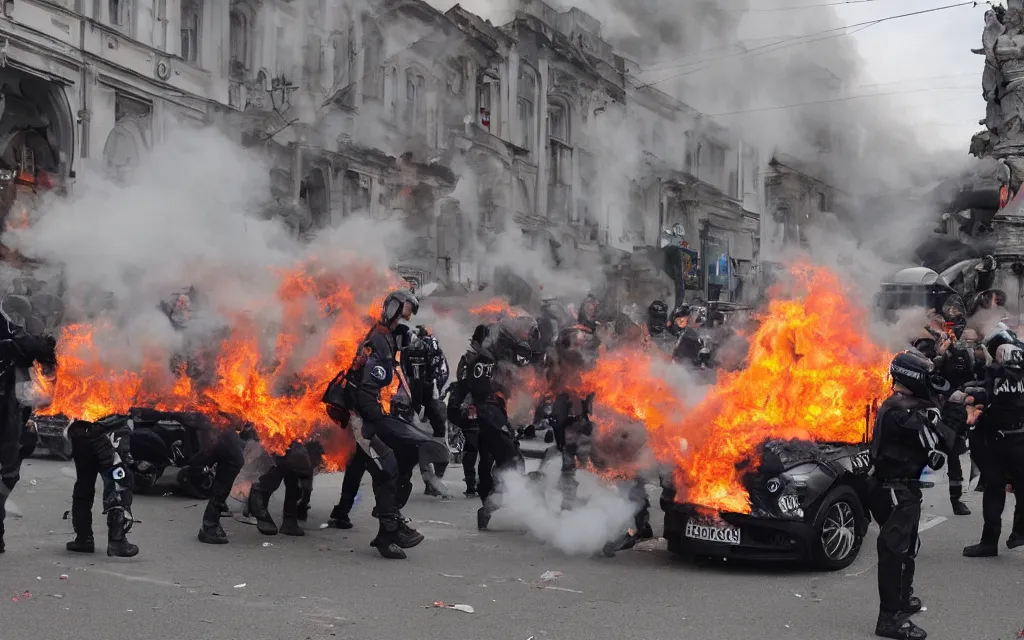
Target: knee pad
x=117, y=491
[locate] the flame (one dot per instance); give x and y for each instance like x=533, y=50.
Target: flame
x=277, y=387
x=812, y=369
x=497, y=308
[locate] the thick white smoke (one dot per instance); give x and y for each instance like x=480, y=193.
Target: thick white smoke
x=535, y=506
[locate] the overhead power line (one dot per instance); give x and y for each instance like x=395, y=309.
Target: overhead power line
x=843, y=99
x=798, y=40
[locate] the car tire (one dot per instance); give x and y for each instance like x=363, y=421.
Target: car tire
x=840, y=509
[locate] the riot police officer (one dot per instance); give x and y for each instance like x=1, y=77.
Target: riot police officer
x=484, y=386
x=998, y=441
x=21, y=345
x=956, y=363
x=909, y=435
x=353, y=400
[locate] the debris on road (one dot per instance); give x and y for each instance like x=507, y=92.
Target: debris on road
x=56, y=595
x=240, y=586
x=267, y=544
x=440, y=604
x=63, y=576
x=27, y=595
x=548, y=576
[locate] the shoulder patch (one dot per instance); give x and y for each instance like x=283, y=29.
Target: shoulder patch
x=379, y=373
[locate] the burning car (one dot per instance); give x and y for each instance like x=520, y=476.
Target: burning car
x=807, y=505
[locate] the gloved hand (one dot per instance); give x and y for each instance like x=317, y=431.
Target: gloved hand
x=930, y=439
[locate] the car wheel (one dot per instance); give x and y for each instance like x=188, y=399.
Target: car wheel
x=837, y=524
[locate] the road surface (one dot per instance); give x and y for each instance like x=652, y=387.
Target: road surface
x=331, y=584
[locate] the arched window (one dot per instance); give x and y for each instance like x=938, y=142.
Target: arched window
x=415, y=100
x=527, y=103
x=191, y=29
x=239, y=37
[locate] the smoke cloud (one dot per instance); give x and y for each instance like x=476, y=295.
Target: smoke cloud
x=535, y=505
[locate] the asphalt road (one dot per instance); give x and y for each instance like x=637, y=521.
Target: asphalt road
x=331, y=584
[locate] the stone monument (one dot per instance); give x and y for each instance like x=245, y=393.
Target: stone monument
x=1003, y=138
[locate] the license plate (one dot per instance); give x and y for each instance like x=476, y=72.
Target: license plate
x=710, y=530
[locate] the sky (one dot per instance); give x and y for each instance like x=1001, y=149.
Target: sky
x=928, y=54
x=922, y=64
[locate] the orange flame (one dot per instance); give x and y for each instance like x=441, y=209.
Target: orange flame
x=812, y=369
x=278, y=389
x=496, y=308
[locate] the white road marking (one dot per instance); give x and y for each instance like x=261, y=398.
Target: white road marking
x=129, y=578
x=930, y=522
x=563, y=589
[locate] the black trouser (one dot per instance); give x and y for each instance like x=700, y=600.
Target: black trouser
x=101, y=452
x=1001, y=460
x=11, y=426
x=360, y=464
x=897, y=508
x=222, y=449
x=956, y=476
x=497, y=449
x=380, y=436
x=295, y=470
x=470, y=453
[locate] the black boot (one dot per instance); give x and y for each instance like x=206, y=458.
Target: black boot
x=211, y=532
x=981, y=550
x=339, y=514
x=899, y=627
x=470, y=487
x=959, y=508
x=81, y=521
x=386, y=541
x=1015, y=540
x=290, y=527
x=483, y=517
x=117, y=541
x=407, y=536
x=258, y=509
x=914, y=605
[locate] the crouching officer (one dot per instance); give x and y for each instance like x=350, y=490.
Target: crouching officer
x=909, y=435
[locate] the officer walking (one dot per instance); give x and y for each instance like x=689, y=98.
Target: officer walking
x=909, y=435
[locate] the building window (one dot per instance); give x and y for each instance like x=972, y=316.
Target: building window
x=734, y=185
x=120, y=13
x=191, y=23
x=239, y=37
x=373, y=62
x=822, y=202
x=415, y=101
x=712, y=165
x=559, y=170
x=527, y=96
x=487, y=94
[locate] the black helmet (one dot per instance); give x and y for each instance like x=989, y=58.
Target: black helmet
x=657, y=316
x=916, y=374
x=394, y=303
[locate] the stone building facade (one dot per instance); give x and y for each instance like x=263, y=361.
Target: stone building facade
x=459, y=128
